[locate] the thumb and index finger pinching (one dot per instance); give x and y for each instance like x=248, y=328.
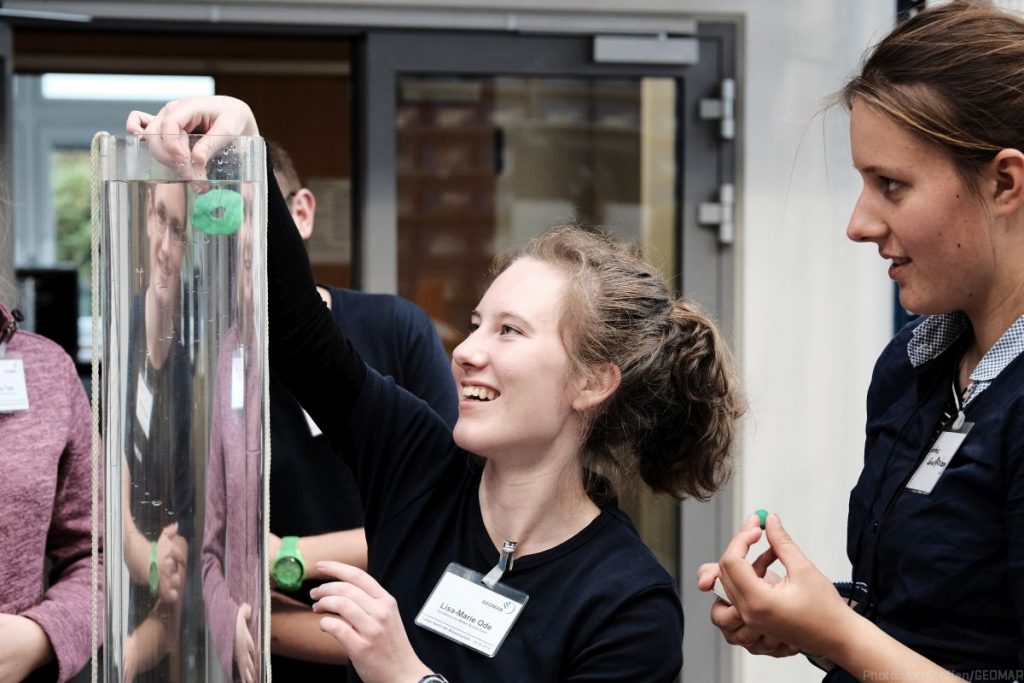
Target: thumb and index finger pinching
x=781, y=543
x=737, y=573
x=217, y=121
x=707, y=573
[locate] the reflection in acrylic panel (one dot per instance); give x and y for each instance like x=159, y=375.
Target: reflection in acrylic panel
x=185, y=422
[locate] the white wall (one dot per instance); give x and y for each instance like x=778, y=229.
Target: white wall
x=815, y=308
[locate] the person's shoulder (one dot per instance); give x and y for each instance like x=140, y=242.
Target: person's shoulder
x=621, y=583
x=620, y=555
x=380, y=307
x=894, y=358
x=899, y=342
x=49, y=369
x=40, y=350
x=906, y=333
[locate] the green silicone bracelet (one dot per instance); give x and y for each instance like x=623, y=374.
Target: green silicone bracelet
x=154, y=570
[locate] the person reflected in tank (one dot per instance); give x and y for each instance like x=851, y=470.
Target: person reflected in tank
x=232, y=559
x=158, y=490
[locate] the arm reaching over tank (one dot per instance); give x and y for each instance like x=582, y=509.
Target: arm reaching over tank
x=307, y=350
x=581, y=373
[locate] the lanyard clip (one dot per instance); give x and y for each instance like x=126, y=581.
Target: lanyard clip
x=505, y=561
x=958, y=423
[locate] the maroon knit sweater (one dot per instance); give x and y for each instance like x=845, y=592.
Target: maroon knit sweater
x=45, y=502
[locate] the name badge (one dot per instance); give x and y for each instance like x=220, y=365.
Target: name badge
x=143, y=405
x=237, y=380
x=937, y=459
x=13, y=392
x=463, y=609
x=314, y=430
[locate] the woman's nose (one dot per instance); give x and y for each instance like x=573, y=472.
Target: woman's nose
x=469, y=353
x=865, y=224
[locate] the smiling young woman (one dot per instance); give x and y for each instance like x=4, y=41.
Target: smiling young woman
x=916, y=207
x=936, y=520
x=498, y=552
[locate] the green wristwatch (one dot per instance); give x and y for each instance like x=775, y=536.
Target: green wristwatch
x=154, y=570
x=288, y=569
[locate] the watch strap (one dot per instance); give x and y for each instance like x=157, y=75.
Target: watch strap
x=289, y=549
x=154, y=569
x=289, y=546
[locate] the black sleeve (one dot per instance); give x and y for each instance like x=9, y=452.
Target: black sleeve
x=307, y=350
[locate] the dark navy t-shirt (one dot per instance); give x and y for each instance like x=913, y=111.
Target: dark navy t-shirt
x=601, y=608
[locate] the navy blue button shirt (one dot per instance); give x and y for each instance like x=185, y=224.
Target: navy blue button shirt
x=945, y=570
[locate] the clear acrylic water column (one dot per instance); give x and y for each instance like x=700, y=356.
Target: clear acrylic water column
x=184, y=410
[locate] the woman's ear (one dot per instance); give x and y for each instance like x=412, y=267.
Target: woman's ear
x=597, y=386
x=1007, y=170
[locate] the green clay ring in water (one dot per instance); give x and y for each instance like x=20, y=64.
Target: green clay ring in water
x=218, y=212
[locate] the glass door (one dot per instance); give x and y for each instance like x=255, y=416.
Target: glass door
x=484, y=163
x=469, y=144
